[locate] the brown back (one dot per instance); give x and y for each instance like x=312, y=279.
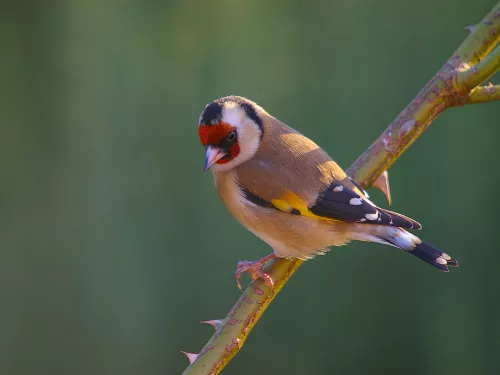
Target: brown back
x=287, y=161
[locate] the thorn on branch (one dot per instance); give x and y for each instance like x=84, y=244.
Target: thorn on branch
x=214, y=323
x=190, y=356
x=471, y=28
x=382, y=183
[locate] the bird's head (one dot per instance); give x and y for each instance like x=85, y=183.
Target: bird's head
x=231, y=130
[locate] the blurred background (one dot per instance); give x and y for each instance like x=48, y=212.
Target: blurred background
x=114, y=245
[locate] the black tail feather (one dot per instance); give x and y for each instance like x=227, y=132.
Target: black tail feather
x=424, y=250
x=452, y=263
x=429, y=254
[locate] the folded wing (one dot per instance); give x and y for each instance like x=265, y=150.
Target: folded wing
x=341, y=203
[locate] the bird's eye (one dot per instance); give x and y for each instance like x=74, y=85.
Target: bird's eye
x=231, y=136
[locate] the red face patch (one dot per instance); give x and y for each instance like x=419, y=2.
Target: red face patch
x=213, y=134
x=234, y=150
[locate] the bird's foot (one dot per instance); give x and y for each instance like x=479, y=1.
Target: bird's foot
x=255, y=270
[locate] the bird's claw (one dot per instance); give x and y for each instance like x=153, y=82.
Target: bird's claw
x=255, y=270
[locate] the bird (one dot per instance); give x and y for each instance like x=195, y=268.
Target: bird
x=287, y=191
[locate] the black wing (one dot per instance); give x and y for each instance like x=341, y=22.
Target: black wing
x=341, y=203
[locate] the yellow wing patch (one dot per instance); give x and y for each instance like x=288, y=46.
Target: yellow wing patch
x=281, y=205
x=291, y=203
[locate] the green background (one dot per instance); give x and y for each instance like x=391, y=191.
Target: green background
x=114, y=244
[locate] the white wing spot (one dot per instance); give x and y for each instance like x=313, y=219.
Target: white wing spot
x=440, y=260
x=446, y=256
x=372, y=216
x=355, y=202
x=338, y=189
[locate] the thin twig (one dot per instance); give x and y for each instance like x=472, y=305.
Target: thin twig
x=477, y=74
x=449, y=87
x=483, y=94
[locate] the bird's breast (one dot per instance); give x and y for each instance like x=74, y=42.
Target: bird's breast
x=289, y=235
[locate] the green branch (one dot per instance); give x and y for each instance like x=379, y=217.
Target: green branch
x=477, y=74
x=451, y=86
x=482, y=94
x=454, y=84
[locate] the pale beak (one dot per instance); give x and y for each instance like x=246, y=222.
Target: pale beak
x=213, y=154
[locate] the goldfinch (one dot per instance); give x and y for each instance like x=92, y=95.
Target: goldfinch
x=286, y=190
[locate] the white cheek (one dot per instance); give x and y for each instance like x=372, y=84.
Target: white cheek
x=249, y=143
x=248, y=137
